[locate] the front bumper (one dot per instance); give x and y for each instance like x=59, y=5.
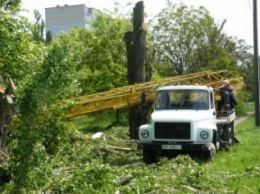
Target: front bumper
x=189, y=147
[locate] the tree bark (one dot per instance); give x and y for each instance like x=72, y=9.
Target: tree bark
x=6, y=113
x=135, y=44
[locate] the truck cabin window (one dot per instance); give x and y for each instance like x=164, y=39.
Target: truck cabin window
x=182, y=99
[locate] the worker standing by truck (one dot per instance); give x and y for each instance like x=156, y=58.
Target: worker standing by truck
x=228, y=98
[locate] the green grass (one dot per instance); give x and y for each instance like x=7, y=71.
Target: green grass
x=96, y=122
x=239, y=169
x=87, y=124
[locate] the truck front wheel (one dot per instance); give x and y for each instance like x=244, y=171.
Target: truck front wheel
x=208, y=155
x=149, y=156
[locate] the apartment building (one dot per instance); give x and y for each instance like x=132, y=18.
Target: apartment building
x=61, y=18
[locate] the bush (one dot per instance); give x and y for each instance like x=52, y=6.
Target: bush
x=244, y=106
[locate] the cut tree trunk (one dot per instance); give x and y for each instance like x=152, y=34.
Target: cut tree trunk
x=135, y=44
x=6, y=113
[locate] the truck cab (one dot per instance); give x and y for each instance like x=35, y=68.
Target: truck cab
x=185, y=120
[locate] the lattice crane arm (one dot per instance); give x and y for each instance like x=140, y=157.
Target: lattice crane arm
x=127, y=96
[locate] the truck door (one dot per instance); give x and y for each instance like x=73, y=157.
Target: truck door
x=213, y=111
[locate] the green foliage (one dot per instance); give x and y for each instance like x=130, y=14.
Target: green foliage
x=38, y=27
x=48, y=38
x=247, y=71
x=40, y=124
x=104, y=62
x=56, y=73
x=95, y=166
x=244, y=98
x=20, y=57
x=12, y=6
x=187, y=40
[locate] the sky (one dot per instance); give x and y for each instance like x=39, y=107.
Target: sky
x=238, y=13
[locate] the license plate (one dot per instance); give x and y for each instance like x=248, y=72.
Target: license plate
x=171, y=147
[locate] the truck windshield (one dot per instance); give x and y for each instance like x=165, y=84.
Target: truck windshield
x=182, y=99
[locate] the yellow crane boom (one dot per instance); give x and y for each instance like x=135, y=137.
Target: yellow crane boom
x=131, y=95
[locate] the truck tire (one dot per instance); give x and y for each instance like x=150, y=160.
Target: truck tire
x=215, y=140
x=149, y=156
x=208, y=155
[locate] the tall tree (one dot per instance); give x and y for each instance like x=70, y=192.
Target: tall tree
x=187, y=40
x=38, y=27
x=48, y=38
x=104, y=62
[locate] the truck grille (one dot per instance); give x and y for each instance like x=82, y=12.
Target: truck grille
x=172, y=130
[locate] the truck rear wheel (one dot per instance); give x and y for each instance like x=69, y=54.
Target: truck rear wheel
x=149, y=156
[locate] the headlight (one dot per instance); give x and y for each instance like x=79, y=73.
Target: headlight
x=204, y=134
x=144, y=133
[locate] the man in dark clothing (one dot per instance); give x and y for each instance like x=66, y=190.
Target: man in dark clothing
x=228, y=98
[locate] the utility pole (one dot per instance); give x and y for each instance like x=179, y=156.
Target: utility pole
x=256, y=68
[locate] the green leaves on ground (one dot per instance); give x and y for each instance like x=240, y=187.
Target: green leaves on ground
x=112, y=164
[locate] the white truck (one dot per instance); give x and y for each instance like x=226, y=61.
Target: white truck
x=185, y=120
